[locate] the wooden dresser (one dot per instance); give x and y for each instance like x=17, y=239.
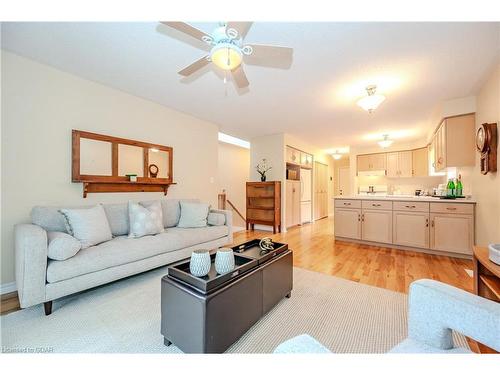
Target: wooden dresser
x=264, y=204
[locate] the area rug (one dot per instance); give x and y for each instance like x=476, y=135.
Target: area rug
x=124, y=317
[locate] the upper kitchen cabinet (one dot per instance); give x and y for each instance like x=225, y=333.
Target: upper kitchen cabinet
x=399, y=164
x=420, y=162
x=372, y=162
x=454, y=142
x=292, y=155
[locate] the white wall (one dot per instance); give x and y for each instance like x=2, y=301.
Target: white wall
x=233, y=174
x=40, y=106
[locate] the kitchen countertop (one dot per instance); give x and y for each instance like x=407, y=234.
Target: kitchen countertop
x=405, y=198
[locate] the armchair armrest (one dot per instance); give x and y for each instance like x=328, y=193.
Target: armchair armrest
x=31, y=263
x=435, y=309
x=229, y=220
x=301, y=344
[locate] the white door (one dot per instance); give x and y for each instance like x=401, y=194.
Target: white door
x=347, y=223
x=376, y=226
x=344, y=181
x=305, y=185
x=411, y=229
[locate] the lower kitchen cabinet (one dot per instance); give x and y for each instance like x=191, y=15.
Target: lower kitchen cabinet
x=376, y=226
x=348, y=223
x=411, y=229
x=452, y=232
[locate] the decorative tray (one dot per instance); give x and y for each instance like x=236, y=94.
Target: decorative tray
x=251, y=249
x=205, y=284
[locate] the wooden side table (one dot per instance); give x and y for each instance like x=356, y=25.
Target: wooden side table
x=486, y=275
x=486, y=281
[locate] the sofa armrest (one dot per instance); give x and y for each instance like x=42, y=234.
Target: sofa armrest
x=301, y=344
x=229, y=221
x=31, y=263
x=435, y=309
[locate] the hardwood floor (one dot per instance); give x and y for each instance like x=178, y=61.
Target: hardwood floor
x=314, y=248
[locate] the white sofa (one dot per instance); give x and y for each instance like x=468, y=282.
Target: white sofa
x=42, y=280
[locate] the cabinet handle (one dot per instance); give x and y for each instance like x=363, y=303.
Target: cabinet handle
x=451, y=208
x=410, y=206
x=376, y=205
x=359, y=217
x=346, y=204
x=432, y=223
x=427, y=223
x=363, y=217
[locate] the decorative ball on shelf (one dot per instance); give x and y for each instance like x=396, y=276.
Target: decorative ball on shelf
x=266, y=244
x=200, y=263
x=224, y=260
x=153, y=170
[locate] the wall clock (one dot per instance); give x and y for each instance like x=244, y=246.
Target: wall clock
x=486, y=143
x=153, y=170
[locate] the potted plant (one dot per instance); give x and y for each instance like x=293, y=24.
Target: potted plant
x=262, y=169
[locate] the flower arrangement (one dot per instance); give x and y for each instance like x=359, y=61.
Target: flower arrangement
x=262, y=169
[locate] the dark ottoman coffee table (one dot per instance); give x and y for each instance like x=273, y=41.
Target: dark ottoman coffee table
x=209, y=314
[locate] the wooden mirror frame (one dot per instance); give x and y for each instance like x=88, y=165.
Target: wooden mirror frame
x=116, y=183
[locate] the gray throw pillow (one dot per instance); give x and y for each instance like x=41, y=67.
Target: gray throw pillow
x=216, y=219
x=193, y=215
x=62, y=246
x=145, y=218
x=88, y=225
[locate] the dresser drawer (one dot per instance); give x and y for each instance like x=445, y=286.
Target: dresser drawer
x=411, y=206
x=377, y=205
x=260, y=215
x=453, y=208
x=260, y=191
x=348, y=203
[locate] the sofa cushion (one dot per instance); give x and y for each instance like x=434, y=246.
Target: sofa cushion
x=122, y=250
x=193, y=215
x=62, y=246
x=171, y=210
x=49, y=218
x=117, y=215
x=145, y=219
x=216, y=218
x=89, y=225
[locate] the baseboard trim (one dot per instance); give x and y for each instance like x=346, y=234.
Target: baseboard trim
x=8, y=288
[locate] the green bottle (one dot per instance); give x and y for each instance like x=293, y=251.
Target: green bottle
x=459, y=188
x=450, y=188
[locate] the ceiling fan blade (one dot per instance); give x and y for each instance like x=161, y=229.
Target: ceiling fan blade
x=273, y=56
x=197, y=65
x=187, y=29
x=241, y=27
x=240, y=78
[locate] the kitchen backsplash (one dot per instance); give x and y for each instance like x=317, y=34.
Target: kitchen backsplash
x=402, y=185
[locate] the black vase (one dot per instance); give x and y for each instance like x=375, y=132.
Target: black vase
x=263, y=178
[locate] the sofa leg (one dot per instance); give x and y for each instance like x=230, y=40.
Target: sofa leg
x=47, y=307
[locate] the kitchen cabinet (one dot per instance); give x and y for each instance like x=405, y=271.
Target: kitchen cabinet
x=306, y=160
x=371, y=162
x=420, y=162
x=422, y=223
x=348, y=223
x=454, y=142
x=292, y=155
x=320, y=190
x=376, y=225
x=292, y=203
x=452, y=232
x=399, y=164
x=411, y=229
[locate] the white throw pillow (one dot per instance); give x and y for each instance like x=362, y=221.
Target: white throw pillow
x=193, y=215
x=88, y=225
x=145, y=218
x=62, y=246
x=216, y=219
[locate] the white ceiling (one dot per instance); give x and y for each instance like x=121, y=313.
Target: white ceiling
x=416, y=65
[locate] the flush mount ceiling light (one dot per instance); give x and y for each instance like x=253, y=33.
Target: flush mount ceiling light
x=372, y=100
x=226, y=56
x=336, y=155
x=386, y=142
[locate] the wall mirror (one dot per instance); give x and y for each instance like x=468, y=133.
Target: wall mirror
x=105, y=164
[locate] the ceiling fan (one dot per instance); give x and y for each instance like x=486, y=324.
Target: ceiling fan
x=228, y=52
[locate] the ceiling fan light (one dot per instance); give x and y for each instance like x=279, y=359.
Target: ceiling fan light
x=386, y=142
x=226, y=56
